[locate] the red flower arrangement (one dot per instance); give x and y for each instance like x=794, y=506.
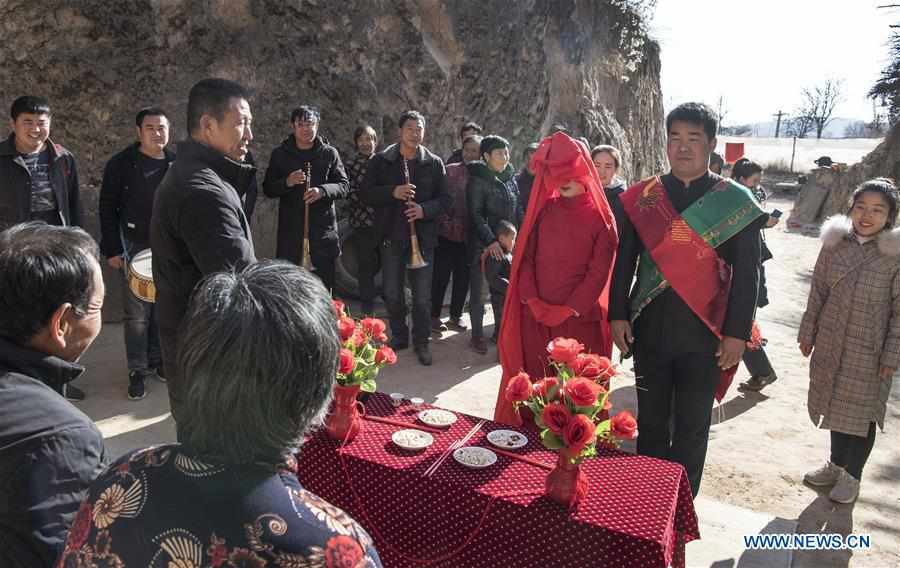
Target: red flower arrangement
x=363, y=354
x=568, y=407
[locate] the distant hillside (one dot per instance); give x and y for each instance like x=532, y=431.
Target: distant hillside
x=836, y=129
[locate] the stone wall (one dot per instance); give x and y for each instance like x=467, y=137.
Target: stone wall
x=517, y=67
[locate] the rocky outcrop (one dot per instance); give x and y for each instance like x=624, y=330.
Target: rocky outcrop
x=828, y=190
x=515, y=67
x=883, y=161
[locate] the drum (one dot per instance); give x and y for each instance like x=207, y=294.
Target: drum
x=140, y=276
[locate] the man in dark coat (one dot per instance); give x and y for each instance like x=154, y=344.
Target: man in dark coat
x=406, y=183
x=525, y=177
x=51, y=295
x=679, y=358
x=286, y=180
x=38, y=178
x=199, y=225
x=126, y=204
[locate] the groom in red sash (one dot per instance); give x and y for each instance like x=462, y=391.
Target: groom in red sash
x=694, y=239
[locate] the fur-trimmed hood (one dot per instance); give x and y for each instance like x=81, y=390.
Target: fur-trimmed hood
x=839, y=227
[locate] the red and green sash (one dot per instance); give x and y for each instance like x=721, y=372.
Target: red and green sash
x=679, y=249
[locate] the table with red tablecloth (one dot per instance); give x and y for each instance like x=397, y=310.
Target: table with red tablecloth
x=638, y=511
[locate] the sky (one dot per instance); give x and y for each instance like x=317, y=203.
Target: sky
x=759, y=54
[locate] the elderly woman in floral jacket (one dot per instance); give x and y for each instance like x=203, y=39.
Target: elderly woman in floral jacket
x=852, y=329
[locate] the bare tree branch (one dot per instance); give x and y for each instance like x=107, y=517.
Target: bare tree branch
x=817, y=105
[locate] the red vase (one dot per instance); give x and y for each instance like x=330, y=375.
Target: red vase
x=566, y=484
x=343, y=422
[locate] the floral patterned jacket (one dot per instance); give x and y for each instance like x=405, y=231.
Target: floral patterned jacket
x=362, y=216
x=159, y=507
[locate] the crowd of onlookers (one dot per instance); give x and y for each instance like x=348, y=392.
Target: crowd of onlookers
x=249, y=347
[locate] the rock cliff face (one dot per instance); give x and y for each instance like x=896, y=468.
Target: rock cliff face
x=829, y=190
x=883, y=161
x=516, y=67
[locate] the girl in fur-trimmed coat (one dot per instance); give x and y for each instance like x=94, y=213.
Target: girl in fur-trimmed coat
x=852, y=329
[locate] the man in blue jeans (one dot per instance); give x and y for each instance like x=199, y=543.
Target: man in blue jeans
x=126, y=203
x=406, y=183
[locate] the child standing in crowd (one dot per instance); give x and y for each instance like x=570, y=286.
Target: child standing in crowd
x=749, y=174
x=496, y=271
x=852, y=329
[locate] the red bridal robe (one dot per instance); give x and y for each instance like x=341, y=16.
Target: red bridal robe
x=564, y=257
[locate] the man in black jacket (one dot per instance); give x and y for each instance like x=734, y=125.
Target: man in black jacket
x=130, y=180
x=198, y=225
x=286, y=180
x=406, y=183
x=525, y=177
x=51, y=295
x=678, y=359
x=38, y=179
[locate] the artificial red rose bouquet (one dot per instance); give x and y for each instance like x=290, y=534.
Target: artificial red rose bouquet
x=363, y=353
x=568, y=407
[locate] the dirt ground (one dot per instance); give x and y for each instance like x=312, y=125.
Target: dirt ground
x=760, y=444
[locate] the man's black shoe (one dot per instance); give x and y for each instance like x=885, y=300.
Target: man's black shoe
x=398, y=345
x=136, y=388
x=72, y=393
x=423, y=353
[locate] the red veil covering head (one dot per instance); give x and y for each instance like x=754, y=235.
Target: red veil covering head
x=558, y=160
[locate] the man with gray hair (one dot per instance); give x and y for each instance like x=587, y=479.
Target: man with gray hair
x=258, y=355
x=51, y=295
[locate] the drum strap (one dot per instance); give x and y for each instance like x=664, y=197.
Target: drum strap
x=125, y=252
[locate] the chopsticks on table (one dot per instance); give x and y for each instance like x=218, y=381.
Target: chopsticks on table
x=522, y=458
x=453, y=447
x=393, y=422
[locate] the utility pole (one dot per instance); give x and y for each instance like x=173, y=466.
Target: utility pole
x=720, y=116
x=778, y=116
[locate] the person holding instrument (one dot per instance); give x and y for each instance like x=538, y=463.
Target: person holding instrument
x=287, y=180
x=406, y=184
x=130, y=180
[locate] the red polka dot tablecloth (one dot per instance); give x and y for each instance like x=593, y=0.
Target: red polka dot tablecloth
x=638, y=511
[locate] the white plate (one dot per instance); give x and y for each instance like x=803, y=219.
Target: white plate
x=507, y=439
x=412, y=439
x=437, y=417
x=475, y=457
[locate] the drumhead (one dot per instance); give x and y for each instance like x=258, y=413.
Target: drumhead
x=142, y=263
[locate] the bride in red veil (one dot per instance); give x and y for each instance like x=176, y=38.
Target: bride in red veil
x=559, y=283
